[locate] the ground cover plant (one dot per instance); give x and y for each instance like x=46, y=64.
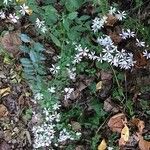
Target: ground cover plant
x=74, y=75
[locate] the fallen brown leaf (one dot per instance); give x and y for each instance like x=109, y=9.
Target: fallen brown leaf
x=111, y=20
x=11, y=42
x=143, y=144
x=139, y=123
x=3, y=111
x=116, y=38
x=109, y=106
x=116, y=122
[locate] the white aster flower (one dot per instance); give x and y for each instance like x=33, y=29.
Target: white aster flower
x=2, y=15
x=120, y=15
x=92, y=56
x=43, y=29
x=84, y=52
x=54, y=69
x=78, y=48
x=38, y=96
x=100, y=58
x=130, y=33
x=140, y=44
x=112, y=10
x=115, y=61
x=39, y=23
x=52, y=89
x=56, y=106
x=146, y=54
x=24, y=9
x=13, y=18
x=124, y=35
x=77, y=58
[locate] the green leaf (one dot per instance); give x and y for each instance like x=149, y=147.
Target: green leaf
x=66, y=24
x=38, y=47
x=50, y=15
x=73, y=5
x=33, y=56
x=84, y=17
x=55, y=40
x=72, y=15
x=24, y=48
x=25, y=61
x=25, y=38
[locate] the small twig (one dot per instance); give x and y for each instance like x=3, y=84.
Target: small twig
x=115, y=76
x=125, y=78
x=103, y=123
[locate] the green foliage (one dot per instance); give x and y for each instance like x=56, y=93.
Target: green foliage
x=33, y=62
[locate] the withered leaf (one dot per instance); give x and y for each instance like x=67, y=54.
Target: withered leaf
x=116, y=122
x=109, y=106
x=111, y=20
x=99, y=85
x=11, y=42
x=125, y=133
x=3, y=111
x=143, y=144
x=139, y=123
x=75, y=125
x=102, y=145
x=116, y=38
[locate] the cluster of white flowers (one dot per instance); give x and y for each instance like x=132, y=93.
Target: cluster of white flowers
x=127, y=34
x=12, y=17
x=83, y=53
x=98, y=23
x=72, y=73
x=110, y=52
x=41, y=25
x=68, y=92
x=45, y=133
x=65, y=135
x=121, y=59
